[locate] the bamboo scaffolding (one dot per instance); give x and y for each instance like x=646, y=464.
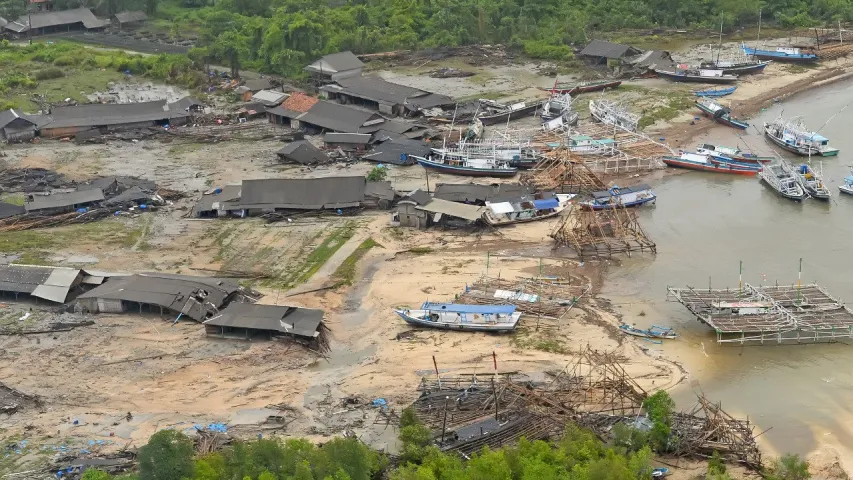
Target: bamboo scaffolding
x=602, y=233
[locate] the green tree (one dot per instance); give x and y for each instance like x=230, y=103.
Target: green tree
x=377, y=174
x=659, y=407
x=414, y=436
x=789, y=467
x=167, y=456
x=95, y=474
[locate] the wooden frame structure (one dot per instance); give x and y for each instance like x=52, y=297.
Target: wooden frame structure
x=531, y=296
x=563, y=171
x=602, y=233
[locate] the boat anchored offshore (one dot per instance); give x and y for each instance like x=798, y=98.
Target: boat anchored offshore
x=707, y=163
x=735, y=154
x=811, y=182
x=780, y=177
x=621, y=197
x=475, y=318
x=793, y=136
x=720, y=114
x=524, y=210
x=847, y=187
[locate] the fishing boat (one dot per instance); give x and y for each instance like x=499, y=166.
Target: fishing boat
x=516, y=155
x=469, y=165
x=793, y=136
x=558, y=112
x=848, y=185
x=697, y=76
x=583, y=87
x=654, y=332
x=735, y=154
x=608, y=112
x=720, y=114
x=744, y=67
x=782, y=54
x=716, y=92
x=586, y=145
x=780, y=177
x=499, y=113
x=525, y=210
x=705, y=163
x=812, y=182
x=621, y=197
x=475, y=318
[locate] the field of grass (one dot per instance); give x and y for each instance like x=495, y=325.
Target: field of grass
x=345, y=274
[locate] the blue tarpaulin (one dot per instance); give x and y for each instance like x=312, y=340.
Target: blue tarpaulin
x=458, y=308
x=546, y=204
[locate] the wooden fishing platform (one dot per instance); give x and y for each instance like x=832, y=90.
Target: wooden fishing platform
x=772, y=314
x=602, y=233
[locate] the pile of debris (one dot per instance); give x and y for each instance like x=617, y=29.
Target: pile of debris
x=450, y=72
x=473, y=54
x=12, y=400
x=30, y=180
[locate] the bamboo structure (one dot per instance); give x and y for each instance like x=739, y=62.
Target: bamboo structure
x=563, y=171
x=602, y=233
x=531, y=296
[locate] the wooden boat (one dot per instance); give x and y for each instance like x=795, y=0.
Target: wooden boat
x=793, y=136
x=704, y=163
x=716, y=92
x=654, y=332
x=782, y=54
x=847, y=187
x=720, y=114
x=557, y=112
x=697, y=76
x=621, y=197
x=470, y=166
x=583, y=87
x=499, y=113
x=474, y=318
x=812, y=182
x=735, y=154
x=586, y=145
x=608, y=112
x=525, y=210
x=738, y=68
x=780, y=177
x=517, y=156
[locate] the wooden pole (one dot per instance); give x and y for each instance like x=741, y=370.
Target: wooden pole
x=495, y=392
x=444, y=422
x=435, y=364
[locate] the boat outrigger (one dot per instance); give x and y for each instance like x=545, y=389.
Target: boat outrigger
x=720, y=114
x=793, y=136
x=780, y=177
x=475, y=318
x=812, y=182
x=526, y=210
x=621, y=197
x=707, y=163
x=735, y=154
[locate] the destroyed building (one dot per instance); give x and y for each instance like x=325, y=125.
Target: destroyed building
x=421, y=211
x=129, y=19
x=17, y=126
x=397, y=152
x=69, y=121
x=334, y=67
x=212, y=204
x=63, y=202
x=248, y=321
x=388, y=98
x=477, y=194
x=302, y=152
x=54, y=284
x=348, y=142
x=269, y=195
x=58, y=21
x=599, y=52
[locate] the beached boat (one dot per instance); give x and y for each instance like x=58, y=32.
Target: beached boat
x=720, y=114
x=586, y=145
x=705, y=163
x=475, y=318
x=744, y=67
x=716, y=92
x=847, y=187
x=812, y=182
x=782, y=54
x=697, y=76
x=660, y=472
x=621, y=197
x=518, y=155
x=583, y=87
x=654, y=332
x=780, y=177
x=608, y=112
x=793, y=136
x=495, y=112
x=469, y=166
x=525, y=210
x=735, y=154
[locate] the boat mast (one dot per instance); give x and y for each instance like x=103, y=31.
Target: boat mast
x=758, y=38
x=720, y=47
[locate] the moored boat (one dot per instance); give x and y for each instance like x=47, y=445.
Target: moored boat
x=583, y=87
x=782, y=54
x=621, y=197
x=793, y=136
x=654, y=332
x=518, y=155
x=716, y=92
x=705, y=163
x=847, y=187
x=780, y=177
x=720, y=114
x=470, y=166
x=475, y=318
x=744, y=67
x=525, y=210
x=499, y=113
x=735, y=154
x=812, y=182
x=697, y=76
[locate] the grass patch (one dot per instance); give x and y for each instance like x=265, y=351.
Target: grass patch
x=673, y=105
x=312, y=262
x=490, y=95
x=184, y=148
x=420, y=250
x=345, y=274
x=35, y=246
x=14, y=198
x=528, y=339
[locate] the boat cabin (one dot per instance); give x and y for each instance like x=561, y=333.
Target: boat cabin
x=584, y=143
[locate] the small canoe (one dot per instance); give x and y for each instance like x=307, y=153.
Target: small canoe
x=583, y=87
x=654, y=332
x=474, y=318
x=744, y=68
x=716, y=92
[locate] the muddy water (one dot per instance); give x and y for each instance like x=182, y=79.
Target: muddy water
x=704, y=224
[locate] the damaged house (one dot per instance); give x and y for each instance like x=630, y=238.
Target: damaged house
x=70, y=121
x=334, y=67
x=269, y=195
x=17, y=126
x=63, y=202
x=421, y=211
x=475, y=194
x=600, y=52
x=56, y=21
x=53, y=284
x=248, y=321
x=388, y=98
x=302, y=152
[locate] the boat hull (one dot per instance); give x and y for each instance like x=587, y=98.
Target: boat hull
x=848, y=189
x=744, y=69
x=635, y=203
x=507, y=116
x=724, y=119
x=696, y=78
x=577, y=89
x=796, y=198
x=803, y=152
x=710, y=167
x=467, y=171
x=462, y=327
x=780, y=56
x=716, y=93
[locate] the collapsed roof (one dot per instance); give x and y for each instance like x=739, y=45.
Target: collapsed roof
x=48, y=283
x=63, y=200
x=379, y=90
x=475, y=193
x=302, y=151
x=301, y=322
x=335, y=63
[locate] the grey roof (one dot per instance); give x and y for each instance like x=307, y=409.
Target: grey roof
x=355, y=138
x=302, y=151
x=652, y=59
x=59, y=200
x=341, y=118
x=185, y=104
x=9, y=116
x=133, y=194
x=196, y=297
x=49, y=283
x=303, y=193
x=601, y=48
x=419, y=196
x=132, y=16
x=471, y=192
x=210, y=202
x=336, y=62
x=303, y=322
x=112, y=114
x=9, y=210
x=379, y=90
x=257, y=84
x=381, y=190
x=269, y=98
x=3, y=22
x=62, y=17
x=458, y=210
x=16, y=27
x=397, y=152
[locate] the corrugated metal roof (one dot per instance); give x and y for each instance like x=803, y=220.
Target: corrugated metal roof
x=8, y=210
x=111, y=114
x=355, y=138
x=380, y=190
x=209, y=202
x=132, y=16
x=304, y=152
x=397, y=152
x=341, y=118
x=59, y=200
x=459, y=210
x=49, y=283
x=269, y=98
x=601, y=48
x=380, y=90
x=471, y=192
x=303, y=193
x=303, y=322
x=9, y=116
x=335, y=62
x=419, y=196
x=62, y=17
x=462, y=308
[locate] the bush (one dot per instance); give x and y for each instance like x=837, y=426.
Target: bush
x=544, y=50
x=377, y=174
x=95, y=474
x=48, y=73
x=789, y=467
x=168, y=455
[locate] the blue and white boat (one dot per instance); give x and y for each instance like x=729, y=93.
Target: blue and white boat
x=715, y=92
x=525, y=210
x=455, y=316
x=782, y=54
x=654, y=332
x=621, y=197
x=487, y=166
x=848, y=185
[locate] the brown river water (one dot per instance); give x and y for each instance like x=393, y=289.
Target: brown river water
x=704, y=224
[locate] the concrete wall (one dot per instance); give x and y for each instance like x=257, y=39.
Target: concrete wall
x=410, y=216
